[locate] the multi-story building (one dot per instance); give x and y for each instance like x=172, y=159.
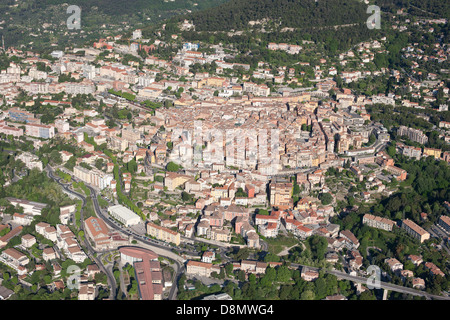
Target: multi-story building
x=413, y=134
x=302, y=232
x=40, y=131
x=208, y=256
x=172, y=180
x=16, y=114
x=251, y=266
x=220, y=234
x=164, y=234
x=15, y=259
x=30, y=160
x=432, y=152
x=148, y=271
x=15, y=132
x=414, y=230
x=201, y=268
x=350, y=240
x=76, y=254
x=101, y=235
x=50, y=233
x=378, y=222
x=22, y=219
x=40, y=227
x=48, y=254
x=261, y=219
x=84, y=87
x=65, y=212
x=131, y=135
x=62, y=125
x=444, y=222
x=412, y=152
x=117, y=143
x=29, y=207
x=281, y=195
x=94, y=177
x=269, y=230
x=400, y=174
x=28, y=240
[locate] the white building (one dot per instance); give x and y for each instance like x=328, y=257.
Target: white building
x=22, y=219
x=65, y=212
x=29, y=207
x=137, y=34
x=30, y=160
x=15, y=259
x=57, y=54
x=124, y=215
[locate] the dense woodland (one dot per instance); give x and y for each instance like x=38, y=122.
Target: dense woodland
x=236, y=14
x=97, y=16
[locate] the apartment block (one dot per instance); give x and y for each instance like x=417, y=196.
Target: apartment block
x=378, y=222
x=413, y=134
x=444, y=222
x=15, y=132
x=415, y=231
x=30, y=160
x=40, y=131
x=163, y=234
x=15, y=259
x=172, y=180
x=94, y=177
x=201, y=268
x=281, y=195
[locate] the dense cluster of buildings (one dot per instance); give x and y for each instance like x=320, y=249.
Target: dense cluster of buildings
x=236, y=138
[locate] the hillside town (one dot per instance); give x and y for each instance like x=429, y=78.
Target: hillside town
x=198, y=168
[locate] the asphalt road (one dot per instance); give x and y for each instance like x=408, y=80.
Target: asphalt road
x=383, y=285
x=152, y=244
x=389, y=286
x=111, y=281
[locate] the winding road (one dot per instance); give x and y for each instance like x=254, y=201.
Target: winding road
x=161, y=248
x=111, y=281
x=383, y=285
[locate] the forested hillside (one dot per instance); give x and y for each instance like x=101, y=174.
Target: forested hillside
x=121, y=7
x=38, y=23
x=335, y=24
x=236, y=14
x=431, y=8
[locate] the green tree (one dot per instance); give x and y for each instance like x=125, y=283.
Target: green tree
x=318, y=246
x=390, y=150
x=320, y=288
x=55, y=157
x=285, y=292
x=172, y=167
x=229, y=268
x=222, y=274
x=241, y=275
x=186, y=197
x=325, y=198
x=132, y=166
x=283, y=274
x=308, y=295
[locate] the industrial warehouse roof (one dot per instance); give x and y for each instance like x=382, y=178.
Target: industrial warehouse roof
x=123, y=212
